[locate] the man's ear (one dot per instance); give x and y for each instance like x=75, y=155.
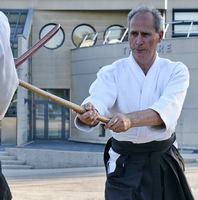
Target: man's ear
x=161, y=34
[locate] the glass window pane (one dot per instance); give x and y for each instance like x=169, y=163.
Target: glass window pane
x=57, y=40
x=58, y=92
x=13, y=18
x=192, y=16
x=11, y=112
x=22, y=18
x=84, y=35
x=183, y=29
x=20, y=29
x=55, y=121
x=12, y=28
x=54, y=116
x=40, y=121
x=113, y=34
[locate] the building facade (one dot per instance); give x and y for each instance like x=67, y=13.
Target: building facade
x=93, y=34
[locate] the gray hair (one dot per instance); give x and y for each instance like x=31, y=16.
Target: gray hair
x=158, y=20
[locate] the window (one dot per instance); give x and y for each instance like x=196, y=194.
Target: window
x=12, y=110
x=48, y=119
x=17, y=20
x=115, y=34
x=57, y=40
x=185, y=22
x=84, y=35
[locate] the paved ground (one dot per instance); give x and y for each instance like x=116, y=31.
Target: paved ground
x=57, y=184
x=68, y=184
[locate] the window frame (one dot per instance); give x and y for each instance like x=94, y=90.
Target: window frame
x=15, y=27
x=183, y=22
x=61, y=29
x=106, y=30
x=84, y=24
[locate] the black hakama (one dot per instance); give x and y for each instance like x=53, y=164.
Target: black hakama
x=150, y=171
x=5, y=193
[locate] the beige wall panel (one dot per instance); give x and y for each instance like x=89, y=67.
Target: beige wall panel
x=192, y=95
x=182, y=45
x=184, y=50
x=52, y=68
x=187, y=139
x=182, y=4
x=79, y=4
x=188, y=121
x=189, y=60
x=183, y=130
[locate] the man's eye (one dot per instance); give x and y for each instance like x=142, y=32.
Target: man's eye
x=145, y=34
x=134, y=34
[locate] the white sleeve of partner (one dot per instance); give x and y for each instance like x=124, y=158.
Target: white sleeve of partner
x=103, y=93
x=8, y=76
x=170, y=103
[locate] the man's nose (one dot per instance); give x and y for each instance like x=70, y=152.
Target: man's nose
x=139, y=39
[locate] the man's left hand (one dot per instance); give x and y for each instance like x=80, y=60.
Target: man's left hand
x=119, y=123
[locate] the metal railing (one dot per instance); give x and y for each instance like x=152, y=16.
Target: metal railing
x=186, y=33
x=120, y=35
x=112, y=36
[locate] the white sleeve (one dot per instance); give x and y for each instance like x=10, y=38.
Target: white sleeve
x=103, y=94
x=103, y=91
x=170, y=103
x=8, y=75
x=81, y=126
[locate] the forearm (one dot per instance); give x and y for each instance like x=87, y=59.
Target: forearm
x=146, y=117
x=123, y=122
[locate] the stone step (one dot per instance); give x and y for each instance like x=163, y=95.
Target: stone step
x=186, y=151
x=190, y=160
x=16, y=166
x=8, y=157
x=3, y=153
x=12, y=162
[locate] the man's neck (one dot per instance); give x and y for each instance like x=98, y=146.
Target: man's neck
x=146, y=65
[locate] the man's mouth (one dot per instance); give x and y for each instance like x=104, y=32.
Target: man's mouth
x=139, y=50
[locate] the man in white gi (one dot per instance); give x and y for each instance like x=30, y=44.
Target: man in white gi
x=8, y=85
x=143, y=96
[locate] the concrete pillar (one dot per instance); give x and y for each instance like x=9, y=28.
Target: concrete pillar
x=22, y=94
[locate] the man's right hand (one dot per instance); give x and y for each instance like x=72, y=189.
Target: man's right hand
x=90, y=116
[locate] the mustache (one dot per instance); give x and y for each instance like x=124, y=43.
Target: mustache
x=137, y=49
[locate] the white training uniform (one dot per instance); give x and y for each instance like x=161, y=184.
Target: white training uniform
x=123, y=88
x=8, y=76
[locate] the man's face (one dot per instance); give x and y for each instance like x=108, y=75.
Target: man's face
x=143, y=38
